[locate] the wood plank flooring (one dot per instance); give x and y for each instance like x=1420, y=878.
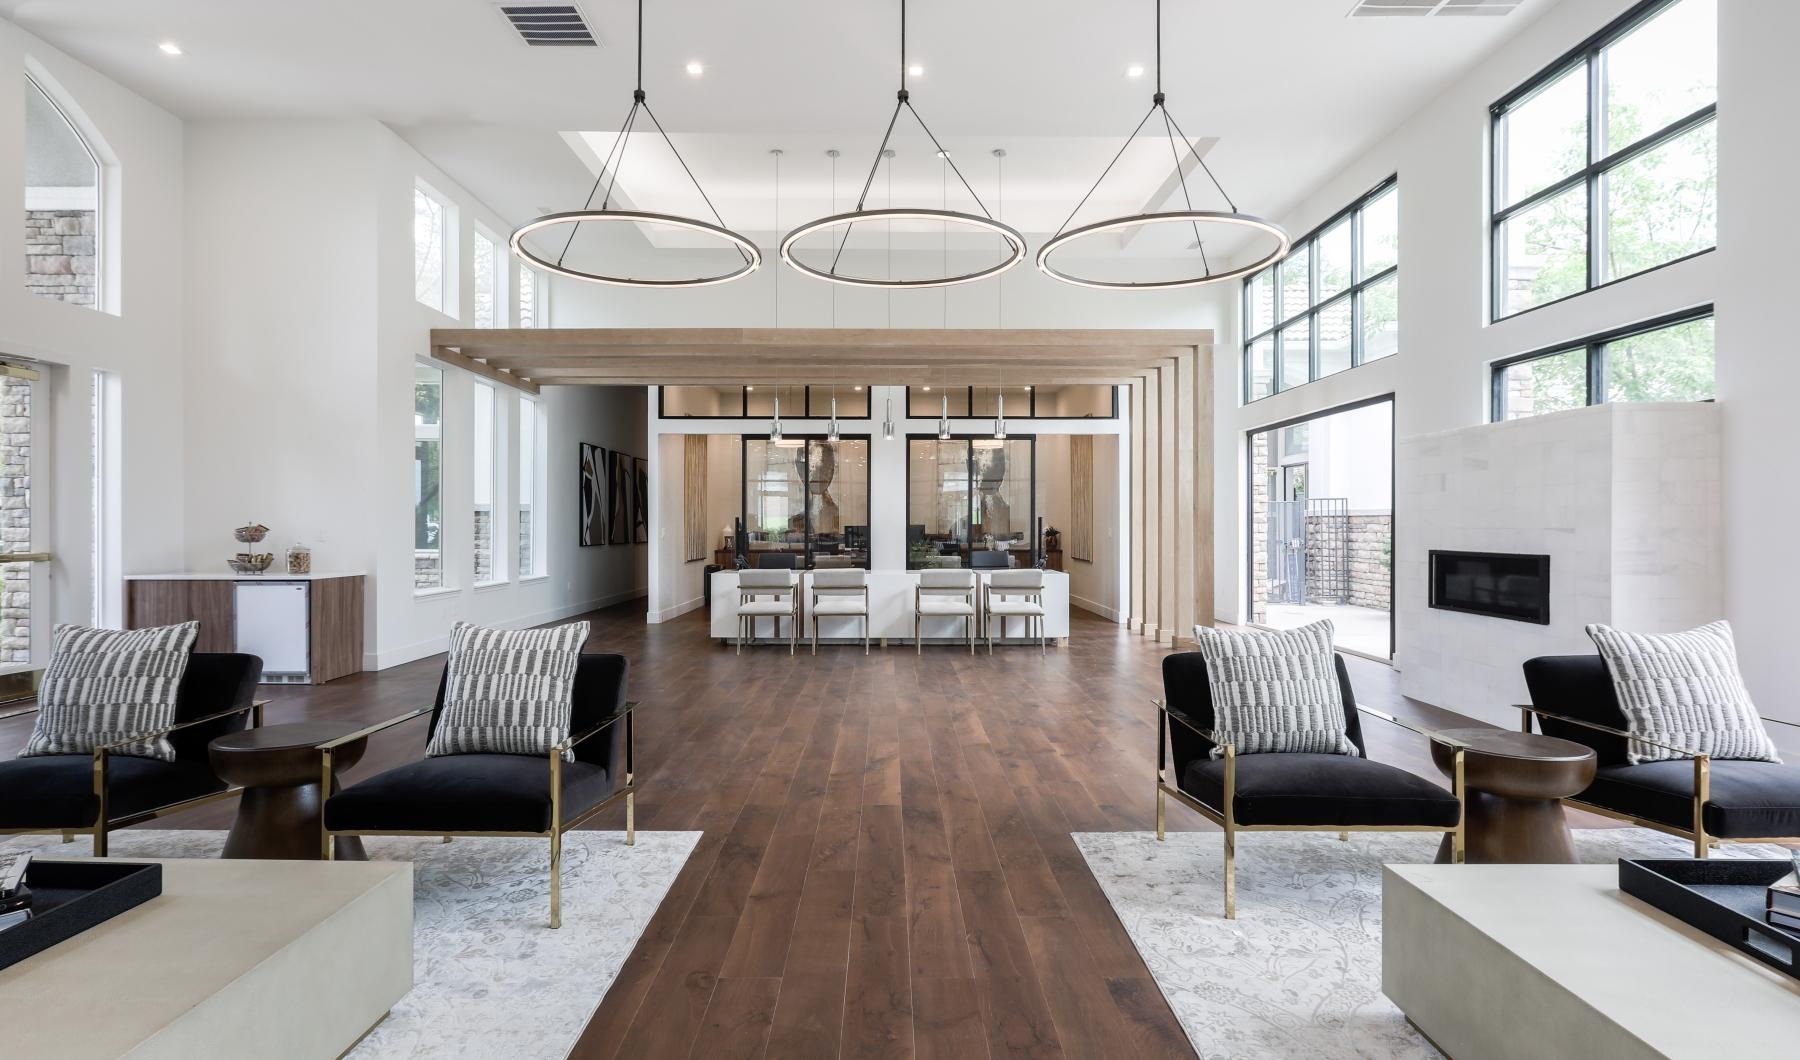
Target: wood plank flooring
x=886, y=867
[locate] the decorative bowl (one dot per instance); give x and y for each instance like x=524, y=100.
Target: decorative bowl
x=251, y=563
x=251, y=534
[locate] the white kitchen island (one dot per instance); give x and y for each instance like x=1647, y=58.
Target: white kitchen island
x=890, y=612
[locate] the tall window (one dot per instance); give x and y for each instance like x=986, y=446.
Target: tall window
x=967, y=496
x=433, y=264
x=528, y=298
x=1331, y=304
x=533, y=498
x=428, y=477
x=484, y=433
x=1606, y=164
x=1662, y=360
x=62, y=205
x=490, y=282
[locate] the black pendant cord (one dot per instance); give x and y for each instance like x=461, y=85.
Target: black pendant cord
x=609, y=168
x=1173, y=131
x=904, y=102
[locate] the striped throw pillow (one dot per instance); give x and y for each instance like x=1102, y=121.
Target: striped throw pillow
x=107, y=686
x=509, y=691
x=1275, y=691
x=1684, y=689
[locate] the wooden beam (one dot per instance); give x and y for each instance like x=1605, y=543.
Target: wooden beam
x=817, y=338
x=486, y=371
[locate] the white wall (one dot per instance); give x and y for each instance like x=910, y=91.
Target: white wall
x=304, y=333
x=140, y=338
x=1440, y=375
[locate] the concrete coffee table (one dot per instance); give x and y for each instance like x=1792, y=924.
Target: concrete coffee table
x=1515, y=782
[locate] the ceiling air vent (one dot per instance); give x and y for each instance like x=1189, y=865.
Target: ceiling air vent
x=549, y=25
x=1421, y=8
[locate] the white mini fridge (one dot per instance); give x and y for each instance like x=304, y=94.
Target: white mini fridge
x=272, y=623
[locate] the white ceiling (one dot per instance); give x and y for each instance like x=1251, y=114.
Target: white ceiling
x=1289, y=89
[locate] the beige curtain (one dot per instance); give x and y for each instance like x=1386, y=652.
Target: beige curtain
x=1081, y=497
x=693, y=495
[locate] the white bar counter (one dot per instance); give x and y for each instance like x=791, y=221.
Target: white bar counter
x=890, y=612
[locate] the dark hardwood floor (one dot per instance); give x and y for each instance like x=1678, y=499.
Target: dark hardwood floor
x=886, y=867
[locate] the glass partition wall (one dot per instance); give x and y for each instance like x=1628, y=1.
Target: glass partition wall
x=970, y=502
x=806, y=502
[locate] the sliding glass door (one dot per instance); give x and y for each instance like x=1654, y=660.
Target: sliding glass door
x=1322, y=525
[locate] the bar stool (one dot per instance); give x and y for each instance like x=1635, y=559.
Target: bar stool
x=1013, y=594
x=940, y=594
x=838, y=594
x=783, y=592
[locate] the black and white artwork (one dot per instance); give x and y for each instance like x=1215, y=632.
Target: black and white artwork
x=593, y=495
x=640, y=501
x=618, y=498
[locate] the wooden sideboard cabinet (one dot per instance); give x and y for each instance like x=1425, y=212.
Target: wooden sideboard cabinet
x=308, y=628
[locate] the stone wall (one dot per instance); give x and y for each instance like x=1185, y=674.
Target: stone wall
x=59, y=254
x=525, y=557
x=15, y=519
x=1372, y=561
x=428, y=568
x=484, y=545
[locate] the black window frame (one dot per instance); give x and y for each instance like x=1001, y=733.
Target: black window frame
x=662, y=411
x=1030, y=413
x=1595, y=352
x=1359, y=282
x=742, y=545
x=1590, y=176
x=1037, y=542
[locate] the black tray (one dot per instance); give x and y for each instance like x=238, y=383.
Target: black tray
x=69, y=897
x=1725, y=899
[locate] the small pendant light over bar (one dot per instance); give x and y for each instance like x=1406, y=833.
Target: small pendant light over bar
x=1230, y=217
x=750, y=255
x=983, y=222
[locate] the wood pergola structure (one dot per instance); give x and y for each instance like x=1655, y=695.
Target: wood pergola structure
x=1168, y=375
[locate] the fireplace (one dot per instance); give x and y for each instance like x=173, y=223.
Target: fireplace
x=1496, y=584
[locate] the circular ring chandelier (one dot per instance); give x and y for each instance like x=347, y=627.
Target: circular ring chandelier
x=609, y=172
x=752, y=255
x=1232, y=216
x=1144, y=220
x=984, y=221
x=1014, y=241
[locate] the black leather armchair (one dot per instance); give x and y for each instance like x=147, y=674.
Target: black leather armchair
x=95, y=793
x=1289, y=792
x=501, y=794
x=1696, y=797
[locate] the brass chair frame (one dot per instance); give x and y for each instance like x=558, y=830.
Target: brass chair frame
x=102, y=824
x=746, y=624
x=1032, y=622
x=970, y=620
x=840, y=591
x=558, y=826
x=1225, y=819
x=1702, y=841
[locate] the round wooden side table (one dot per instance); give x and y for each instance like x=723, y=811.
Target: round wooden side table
x=278, y=768
x=1514, y=782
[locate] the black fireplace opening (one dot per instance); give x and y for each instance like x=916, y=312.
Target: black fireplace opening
x=1497, y=584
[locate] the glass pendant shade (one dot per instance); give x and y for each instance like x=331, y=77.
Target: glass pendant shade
x=887, y=425
x=944, y=421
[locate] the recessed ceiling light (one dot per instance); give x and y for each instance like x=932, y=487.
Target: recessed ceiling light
x=859, y=390
x=915, y=70
x=749, y=388
x=928, y=390
x=943, y=154
x=169, y=47
x=1134, y=70
x=695, y=69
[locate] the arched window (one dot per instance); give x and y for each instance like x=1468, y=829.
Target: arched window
x=62, y=204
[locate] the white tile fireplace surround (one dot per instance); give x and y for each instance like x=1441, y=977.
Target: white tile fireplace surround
x=1624, y=499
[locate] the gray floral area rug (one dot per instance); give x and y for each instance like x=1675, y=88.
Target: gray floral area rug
x=490, y=978
x=1298, y=973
